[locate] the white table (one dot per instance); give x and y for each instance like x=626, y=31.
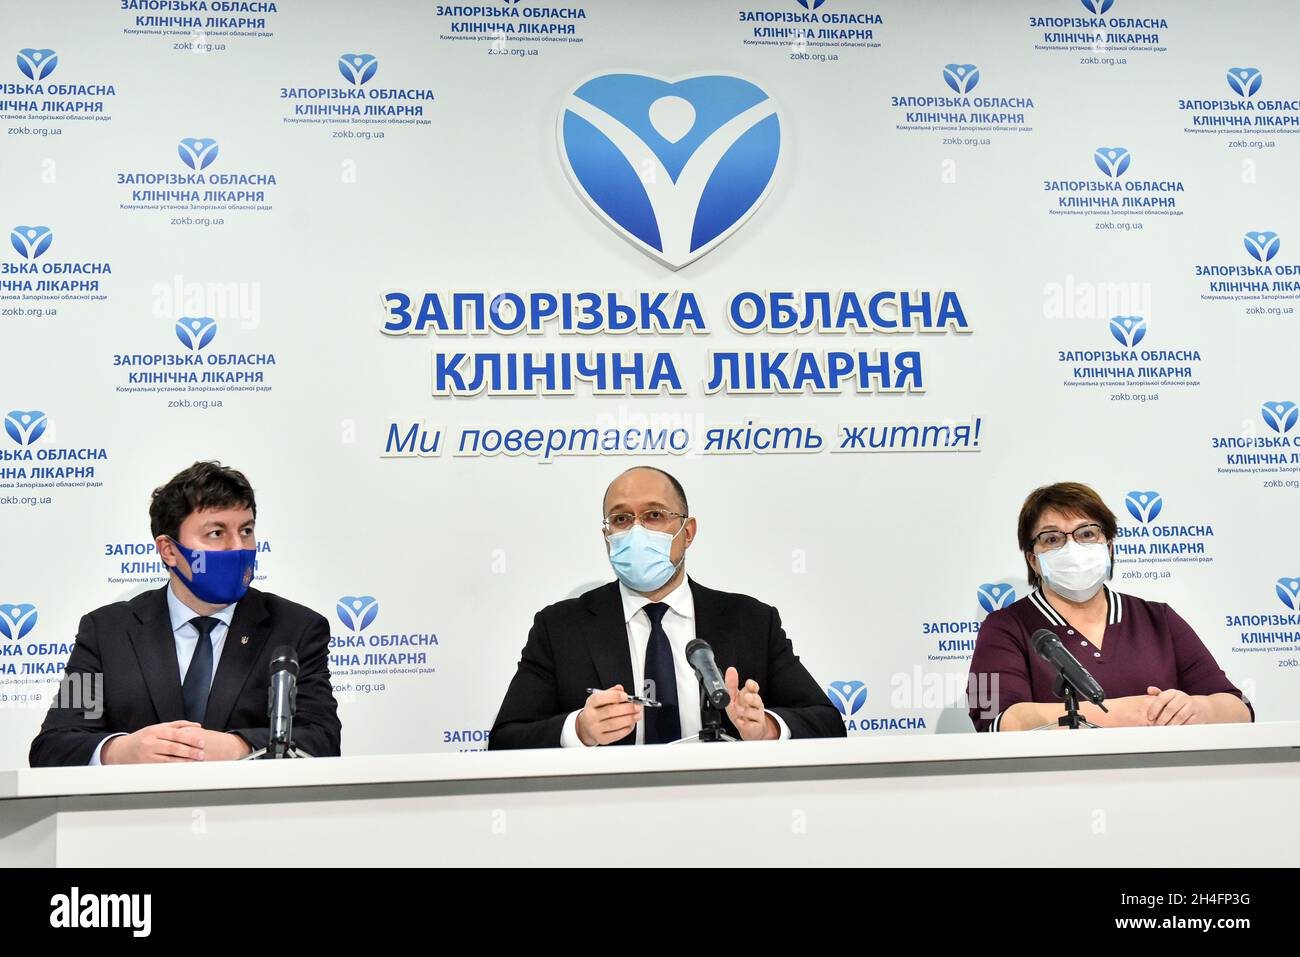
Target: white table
x=1144, y=796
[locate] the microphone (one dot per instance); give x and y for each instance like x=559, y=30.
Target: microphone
x=700, y=656
x=1051, y=650
x=282, y=699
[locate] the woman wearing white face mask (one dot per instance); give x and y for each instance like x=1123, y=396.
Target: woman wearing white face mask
x=1153, y=667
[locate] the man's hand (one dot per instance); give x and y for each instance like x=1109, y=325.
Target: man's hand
x=157, y=744
x=746, y=710
x=607, y=717
x=223, y=746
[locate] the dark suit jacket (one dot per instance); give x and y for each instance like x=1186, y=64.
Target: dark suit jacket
x=131, y=644
x=582, y=643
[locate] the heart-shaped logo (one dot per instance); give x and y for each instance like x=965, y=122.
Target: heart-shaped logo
x=37, y=64
x=195, y=332
x=672, y=167
x=1245, y=80
x=1112, y=160
x=995, y=595
x=847, y=696
x=197, y=152
x=25, y=427
x=1128, y=330
x=1144, y=506
x=16, y=620
x=30, y=241
x=356, y=612
x=358, y=68
x=1280, y=416
x=961, y=77
x=1262, y=245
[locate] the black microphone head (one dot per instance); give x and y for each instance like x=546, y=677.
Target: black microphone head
x=1042, y=637
x=284, y=658
x=697, y=644
x=700, y=655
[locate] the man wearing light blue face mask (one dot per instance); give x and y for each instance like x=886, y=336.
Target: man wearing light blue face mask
x=182, y=670
x=631, y=635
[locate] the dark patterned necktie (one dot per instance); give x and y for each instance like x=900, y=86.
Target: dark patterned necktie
x=661, y=724
x=198, y=679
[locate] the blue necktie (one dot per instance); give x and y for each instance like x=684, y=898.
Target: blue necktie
x=198, y=679
x=661, y=724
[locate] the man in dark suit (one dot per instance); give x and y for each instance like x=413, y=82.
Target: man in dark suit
x=182, y=671
x=631, y=634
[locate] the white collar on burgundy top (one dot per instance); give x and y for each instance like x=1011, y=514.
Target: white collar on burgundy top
x=1114, y=607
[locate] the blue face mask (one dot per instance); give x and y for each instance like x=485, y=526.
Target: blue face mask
x=217, y=576
x=642, y=558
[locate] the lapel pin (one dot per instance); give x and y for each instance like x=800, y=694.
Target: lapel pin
x=243, y=640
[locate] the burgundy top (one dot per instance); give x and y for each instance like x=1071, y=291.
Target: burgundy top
x=1146, y=644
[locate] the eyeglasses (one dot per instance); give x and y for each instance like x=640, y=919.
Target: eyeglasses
x=655, y=519
x=1050, y=541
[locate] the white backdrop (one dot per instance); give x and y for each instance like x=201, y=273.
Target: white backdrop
x=874, y=560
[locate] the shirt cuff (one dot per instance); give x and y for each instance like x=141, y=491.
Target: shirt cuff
x=569, y=736
x=94, y=758
x=780, y=723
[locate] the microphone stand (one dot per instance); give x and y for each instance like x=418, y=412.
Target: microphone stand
x=710, y=721
x=1072, y=719
x=277, y=747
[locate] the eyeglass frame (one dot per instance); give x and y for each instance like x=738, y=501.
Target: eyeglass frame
x=1033, y=542
x=636, y=517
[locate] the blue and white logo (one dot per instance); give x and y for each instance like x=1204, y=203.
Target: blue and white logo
x=847, y=696
x=358, y=68
x=1280, y=416
x=1262, y=245
x=672, y=167
x=25, y=427
x=16, y=620
x=30, y=241
x=1128, y=330
x=1144, y=506
x=961, y=77
x=1288, y=589
x=1098, y=6
x=1112, y=160
x=995, y=595
x=37, y=64
x=1245, y=80
x=811, y=4
x=356, y=612
x=197, y=152
x=195, y=332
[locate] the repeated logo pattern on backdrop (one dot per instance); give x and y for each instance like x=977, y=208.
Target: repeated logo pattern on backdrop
x=862, y=273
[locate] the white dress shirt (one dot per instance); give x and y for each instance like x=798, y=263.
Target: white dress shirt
x=187, y=639
x=679, y=626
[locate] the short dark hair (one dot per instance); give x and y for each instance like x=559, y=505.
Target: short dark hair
x=1070, y=498
x=677, y=486
x=201, y=486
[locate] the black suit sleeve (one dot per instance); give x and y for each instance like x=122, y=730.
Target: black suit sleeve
x=528, y=717
x=69, y=735
x=316, y=727
x=793, y=693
